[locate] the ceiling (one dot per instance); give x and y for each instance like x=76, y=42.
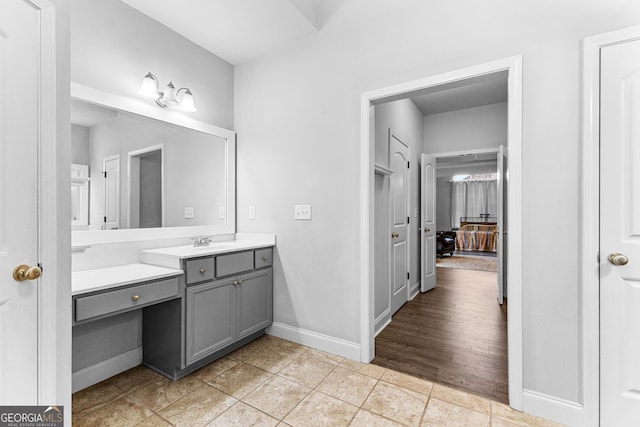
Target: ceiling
x=238, y=31
x=469, y=93
x=87, y=115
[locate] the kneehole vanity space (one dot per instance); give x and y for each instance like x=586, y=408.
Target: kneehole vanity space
x=195, y=304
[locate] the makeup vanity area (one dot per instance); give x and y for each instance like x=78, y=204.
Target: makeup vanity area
x=163, y=281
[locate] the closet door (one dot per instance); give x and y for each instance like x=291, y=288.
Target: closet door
x=399, y=215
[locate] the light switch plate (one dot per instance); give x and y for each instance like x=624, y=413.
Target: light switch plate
x=188, y=213
x=252, y=212
x=302, y=212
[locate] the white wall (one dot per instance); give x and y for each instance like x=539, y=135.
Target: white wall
x=113, y=46
x=405, y=121
x=298, y=122
x=469, y=129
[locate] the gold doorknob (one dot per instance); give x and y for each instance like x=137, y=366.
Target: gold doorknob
x=24, y=272
x=617, y=259
x=426, y=230
x=135, y=298
x=394, y=235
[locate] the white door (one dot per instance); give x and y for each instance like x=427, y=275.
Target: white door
x=399, y=214
x=111, y=168
x=428, y=222
x=19, y=68
x=620, y=234
x=501, y=243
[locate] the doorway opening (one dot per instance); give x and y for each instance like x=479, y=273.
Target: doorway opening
x=510, y=68
x=455, y=332
x=146, y=188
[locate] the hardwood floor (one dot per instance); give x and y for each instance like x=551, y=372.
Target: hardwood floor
x=455, y=334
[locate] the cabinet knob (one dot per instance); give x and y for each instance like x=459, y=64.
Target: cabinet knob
x=264, y=258
x=135, y=298
x=237, y=283
x=203, y=270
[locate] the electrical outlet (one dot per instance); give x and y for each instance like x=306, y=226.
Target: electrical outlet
x=252, y=212
x=188, y=213
x=302, y=212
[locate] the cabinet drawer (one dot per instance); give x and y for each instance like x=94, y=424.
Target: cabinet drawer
x=199, y=270
x=128, y=298
x=234, y=263
x=263, y=258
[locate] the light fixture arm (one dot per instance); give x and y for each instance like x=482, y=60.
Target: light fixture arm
x=170, y=97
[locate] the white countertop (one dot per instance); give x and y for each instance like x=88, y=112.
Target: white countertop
x=111, y=277
x=171, y=257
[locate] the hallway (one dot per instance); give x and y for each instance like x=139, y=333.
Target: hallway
x=455, y=335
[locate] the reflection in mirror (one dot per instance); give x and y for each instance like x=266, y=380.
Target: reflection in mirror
x=132, y=171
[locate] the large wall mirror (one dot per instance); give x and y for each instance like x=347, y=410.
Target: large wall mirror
x=139, y=172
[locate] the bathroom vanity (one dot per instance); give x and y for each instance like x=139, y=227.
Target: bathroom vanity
x=141, y=293
x=197, y=303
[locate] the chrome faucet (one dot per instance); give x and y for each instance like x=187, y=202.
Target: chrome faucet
x=201, y=241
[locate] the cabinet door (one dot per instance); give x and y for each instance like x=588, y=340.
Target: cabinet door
x=255, y=305
x=210, y=318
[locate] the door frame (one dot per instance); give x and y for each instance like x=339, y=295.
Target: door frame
x=513, y=65
x=54, y=289
x=589, y=245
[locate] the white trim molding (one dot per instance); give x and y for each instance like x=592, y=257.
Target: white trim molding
x=552, y=408
x=348, y=349
x=94, y=374
x=52, y=283
x=589, y=245
x=513, y=66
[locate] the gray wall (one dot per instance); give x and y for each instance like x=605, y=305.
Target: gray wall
x=298, y=122
x=79, y=145
x=469, y=129
x=113, y=46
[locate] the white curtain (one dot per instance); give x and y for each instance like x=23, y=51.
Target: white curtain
x=472, y=198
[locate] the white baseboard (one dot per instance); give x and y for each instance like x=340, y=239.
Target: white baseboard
x=553, y=408
x=381, y=326
x=106, y=369
x=414, y=290
x=348, y=349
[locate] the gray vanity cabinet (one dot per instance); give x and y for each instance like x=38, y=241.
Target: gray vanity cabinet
x=255, y=307
x=210, y=323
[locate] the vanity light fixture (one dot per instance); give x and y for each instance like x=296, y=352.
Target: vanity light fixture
x=181, y=99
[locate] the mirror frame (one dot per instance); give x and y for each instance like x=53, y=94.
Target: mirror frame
x=137, y=106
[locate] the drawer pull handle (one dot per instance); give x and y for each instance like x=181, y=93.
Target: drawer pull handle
x=264, y=258
x=203, y=270
x=135, y=298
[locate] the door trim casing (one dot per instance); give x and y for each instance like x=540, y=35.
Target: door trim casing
x=52, y=302
x=513, y=65
x=589, y=245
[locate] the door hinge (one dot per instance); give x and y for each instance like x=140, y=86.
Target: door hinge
x=408, y=163
x=598, y=257
x=104, y=173
x=408, y=275
x=105, y=219
x=408, y=220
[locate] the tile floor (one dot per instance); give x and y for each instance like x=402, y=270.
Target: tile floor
x=273, y=382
